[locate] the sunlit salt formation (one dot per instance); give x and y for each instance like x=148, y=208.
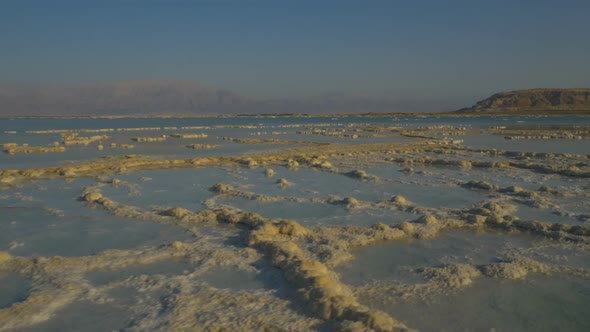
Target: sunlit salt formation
x=283, y=183
x=13, y=149
x=149, y=139
x=348, y=202
x=59, y=283
x=269, y=172
x=4, y=256
x=307, y=294
x=166, y=267
x=259, y=140
x=189, y=135
x=248, y=162
x=362, y=175
x=398, y=199
x=319, y=163
x=265, y=234
x=74, y=139
x=319, y=287
x=567, y=132
x=292, y=164
x=176, y=212
x=140, y=129
x=201, y=146
x=91, y=196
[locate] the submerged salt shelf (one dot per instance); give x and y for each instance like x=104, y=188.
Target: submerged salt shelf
x=13, y=289
x=185, y=188
x=530, y=145
x=535, y=304
x=401, y=261
x=37, y=232
x=76, y=317
x=297, y=224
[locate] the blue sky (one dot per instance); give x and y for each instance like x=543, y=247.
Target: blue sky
x=417, y=49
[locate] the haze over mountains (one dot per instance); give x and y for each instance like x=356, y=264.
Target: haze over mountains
x=119, y=98
x=183, y=98
x=148, y=98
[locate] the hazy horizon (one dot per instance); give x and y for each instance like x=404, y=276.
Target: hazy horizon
x=442, y=55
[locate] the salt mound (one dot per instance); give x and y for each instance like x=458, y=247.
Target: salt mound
x=176, y=212
x=399, y=200
x=283, y=183
x=358, y=174
x=221, y=188
x=483, y=185
x=4, y=256
x=91, y=196
x=269, y=172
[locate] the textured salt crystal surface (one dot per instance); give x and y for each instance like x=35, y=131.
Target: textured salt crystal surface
x=296, y=224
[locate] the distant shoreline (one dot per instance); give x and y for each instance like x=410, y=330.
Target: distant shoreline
x=303, y=115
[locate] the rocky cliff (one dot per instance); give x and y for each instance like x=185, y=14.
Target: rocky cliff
x=535, y=101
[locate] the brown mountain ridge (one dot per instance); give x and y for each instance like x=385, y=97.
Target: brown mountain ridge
x=168, y=97
x=120, y=98
x=535, y=101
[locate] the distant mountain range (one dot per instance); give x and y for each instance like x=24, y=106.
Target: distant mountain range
x=120, y=98
x=534, y=101
x=148, y=98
